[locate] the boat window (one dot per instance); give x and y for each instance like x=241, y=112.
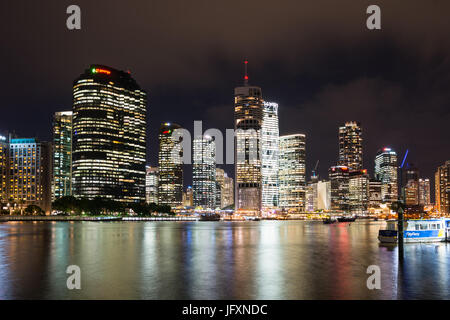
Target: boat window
x=423, y=227
x=438, y=226
x=432, y=226
x=417, y=227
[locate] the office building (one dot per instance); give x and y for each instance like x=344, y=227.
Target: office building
x=62, y=154
x=248, y=118
x=424, y=192
x=30, y=173
x=4, y=150
x=442, y=188
x=358, y=192
x=291, y=176
x=375, y=195
x=350, y=146
x=323, y=195
x=151, y=184
x=339, y=183
x=109, y=136
x=386, y=173
x=269, y=155
x=188, y=197
x=170, y=187
x=204, y=172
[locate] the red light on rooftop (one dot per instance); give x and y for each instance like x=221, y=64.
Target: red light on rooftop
x=98, y=70
x=246, y=78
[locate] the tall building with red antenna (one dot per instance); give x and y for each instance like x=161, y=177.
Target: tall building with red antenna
x=248, y=118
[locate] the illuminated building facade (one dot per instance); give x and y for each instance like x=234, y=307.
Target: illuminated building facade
x=170, y=187
x=291, y=175
x=269, y=155
x=3, y=169
x=410, y=189
x=386, y=172
x=324, y=195
x=350, y=146
x=62, y=154
x=375, y=197
x=248, y=118
x=424, y=192
x=339, y=183
x=188, y=197
x=358, y=192
x=30, y=173
x=226, y=186
x=109, y=136
x=151, y=184
x=204, y=172
x=442, y=188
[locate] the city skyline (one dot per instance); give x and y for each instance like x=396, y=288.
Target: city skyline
x=317, y=85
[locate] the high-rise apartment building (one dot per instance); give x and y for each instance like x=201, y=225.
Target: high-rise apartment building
x=442, y=188
x=291, y=175
x=269, y=155
x=424, y=192
x=170, y=187
x=339, y=183
x=151, y=184
x=109, y=136
x=204, y=172
x=62, y=154
x=248, y=118
x=30, y=173
x=350, y=146
x=386, y=172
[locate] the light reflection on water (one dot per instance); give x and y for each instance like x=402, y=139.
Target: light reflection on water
x=214, y=260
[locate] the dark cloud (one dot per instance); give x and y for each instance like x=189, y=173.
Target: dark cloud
x=315, y=58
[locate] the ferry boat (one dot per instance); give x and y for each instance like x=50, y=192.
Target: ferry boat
x=429, y=230
x=329, y=220
x=210, y=217
x=347, y=219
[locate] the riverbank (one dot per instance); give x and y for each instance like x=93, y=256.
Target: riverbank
x=92, y=218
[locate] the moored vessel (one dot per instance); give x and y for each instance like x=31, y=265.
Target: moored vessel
x=424, y=230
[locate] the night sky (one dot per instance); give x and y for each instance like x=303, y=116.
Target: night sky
x=315, y=58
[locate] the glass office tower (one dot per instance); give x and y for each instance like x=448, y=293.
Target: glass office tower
x=62, y=154
x=170, y=187
x=109, y=136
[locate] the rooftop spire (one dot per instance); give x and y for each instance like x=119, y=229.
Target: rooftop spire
x=246, y=74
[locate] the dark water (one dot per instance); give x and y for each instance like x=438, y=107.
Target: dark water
x=214, y=260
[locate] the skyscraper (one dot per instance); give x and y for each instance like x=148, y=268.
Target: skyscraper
x=248, y=117
x=358, y=190
x=375, y=197
x=442, y=188
x=226, y=188
x=269, y=156
x=350, y=146
x=188, y=197
x=339, y=183
x=424, y=192
x=109, y=136
x=170, y=188
x=386, y=172
x=30, y=173
x=3, y=169
x=151, y=184
x=410, y=189
x=62, y=154
x=291, y=177
x=204, y=172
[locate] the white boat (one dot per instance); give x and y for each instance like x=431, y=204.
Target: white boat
x=426, y=230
